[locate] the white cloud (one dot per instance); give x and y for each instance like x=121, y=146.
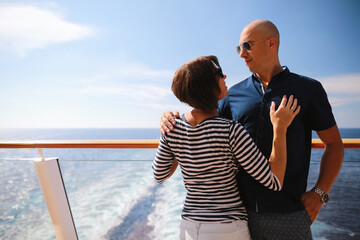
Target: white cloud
x=343, y=89
x=137, y=82
x=25, y=27
x=126, y=72
x=342, y=84
x=144, y=95
x=142, y=71
x=343, y=100
x=180, y=107
x=136, y=92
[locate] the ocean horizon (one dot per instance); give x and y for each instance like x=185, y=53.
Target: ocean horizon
x=113, y=195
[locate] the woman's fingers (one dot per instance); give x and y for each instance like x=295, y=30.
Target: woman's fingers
x=297, y=110
x=291, y=103
x=283, y=101
x=272, y=108
x=294, y=105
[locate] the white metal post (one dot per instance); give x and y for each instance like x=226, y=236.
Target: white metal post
x=53, y=188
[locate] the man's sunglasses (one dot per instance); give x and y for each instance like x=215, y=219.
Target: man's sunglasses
x=246, y=46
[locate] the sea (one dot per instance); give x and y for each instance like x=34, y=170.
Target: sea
x=113, y=195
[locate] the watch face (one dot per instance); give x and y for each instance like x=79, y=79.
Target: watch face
x=325, y=198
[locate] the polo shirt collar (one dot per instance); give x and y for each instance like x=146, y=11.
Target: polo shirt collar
x=275, y=77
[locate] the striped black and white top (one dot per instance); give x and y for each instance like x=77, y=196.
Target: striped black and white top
x=206, y=156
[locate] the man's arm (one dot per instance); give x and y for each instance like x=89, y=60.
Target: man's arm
x=329, y=168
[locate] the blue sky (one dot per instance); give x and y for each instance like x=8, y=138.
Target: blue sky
x=96, y=64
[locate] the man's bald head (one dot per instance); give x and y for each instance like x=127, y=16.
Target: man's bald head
x=262, y=55
x=263, y=29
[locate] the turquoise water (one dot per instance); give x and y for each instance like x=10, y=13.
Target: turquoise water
x=113, y=195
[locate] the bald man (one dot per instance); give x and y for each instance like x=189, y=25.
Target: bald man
x=287, y=214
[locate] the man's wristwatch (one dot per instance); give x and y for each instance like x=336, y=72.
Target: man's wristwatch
x=324, y=197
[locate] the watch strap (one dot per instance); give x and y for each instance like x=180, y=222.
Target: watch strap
x=324, y=197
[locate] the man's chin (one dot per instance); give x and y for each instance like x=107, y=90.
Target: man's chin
x=251, y=69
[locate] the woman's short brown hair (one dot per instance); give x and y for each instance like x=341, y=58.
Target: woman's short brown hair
x=195, y=83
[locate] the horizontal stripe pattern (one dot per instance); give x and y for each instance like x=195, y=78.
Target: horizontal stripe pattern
x=205, y=154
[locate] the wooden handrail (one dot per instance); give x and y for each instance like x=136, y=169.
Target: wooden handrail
x=316, y=143
x=80, y=144
x=348, y=143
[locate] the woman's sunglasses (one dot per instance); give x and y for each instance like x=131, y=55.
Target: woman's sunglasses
x=218, y=69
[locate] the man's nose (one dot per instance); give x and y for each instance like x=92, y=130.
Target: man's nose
x=243, y=53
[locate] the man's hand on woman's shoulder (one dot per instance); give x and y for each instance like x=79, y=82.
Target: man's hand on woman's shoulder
x=167, y=121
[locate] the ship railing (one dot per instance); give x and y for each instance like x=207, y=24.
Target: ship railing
x=51, y=180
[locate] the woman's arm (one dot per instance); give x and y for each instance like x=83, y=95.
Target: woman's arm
x=164, y=163
x=269, y=173
x=281, y=119
x=173, y=167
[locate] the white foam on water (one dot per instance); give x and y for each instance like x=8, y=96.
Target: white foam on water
x=319, y=228
x=102, y=205
x=101, y=194
x=23, y=212
x=166, y=217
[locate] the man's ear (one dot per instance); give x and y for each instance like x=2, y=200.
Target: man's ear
x=272, y=42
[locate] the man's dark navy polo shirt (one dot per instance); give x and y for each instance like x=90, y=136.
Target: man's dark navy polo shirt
x=247, y=104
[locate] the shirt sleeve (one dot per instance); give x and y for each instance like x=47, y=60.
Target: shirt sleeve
x=251, y=159
x=163, y=161
x=224, y=108
x=320, y=112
